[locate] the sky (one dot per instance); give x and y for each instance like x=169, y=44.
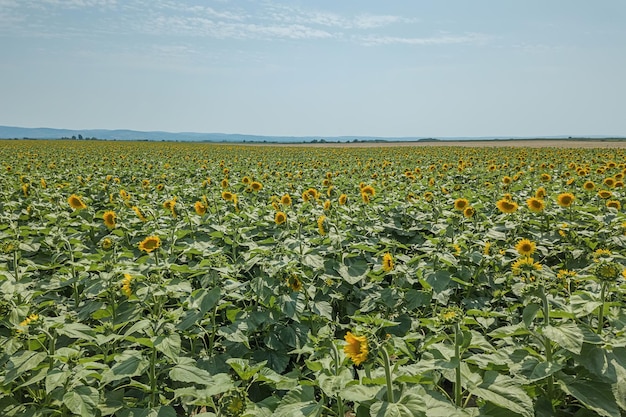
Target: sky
x=395, y=68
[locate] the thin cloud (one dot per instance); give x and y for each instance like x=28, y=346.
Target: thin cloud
x=376, y=40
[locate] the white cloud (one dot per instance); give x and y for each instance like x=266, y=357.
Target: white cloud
x=374, y=40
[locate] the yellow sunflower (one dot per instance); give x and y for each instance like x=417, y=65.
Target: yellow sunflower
x=320, y=225
x=109, y=219
x=294, y=283
x=469, y=212
x=76, y=202
x=460, y=204
x=388, y=262
x=280, y=217
x=139, y=213
x=200, y=208
x=285, y=200
x=149, y=244
x=369, y=190
x=126, y=282
x=356, y=348
x=535, y=204
x=256, y=186
x=525, y=247
x=565, y=199
x=589, y=185
x=327, y=205
x=343, y=199
x=506, y=206
x=604, y=194
x=525, y=264
x=614, y=204
x=227, y=195
x=540, y=193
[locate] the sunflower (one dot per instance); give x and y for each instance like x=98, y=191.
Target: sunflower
x=614, y=204
x=327, y=205
x=469, y=212
x=365, y=197
x=256, y=186
x=312, y=192
x=356, y=348
x=540, y=193
x=28, y=320
x=107, y=243
x=76, y=203
x=246, y=180
x=369, y=190
x=506, y=180
x=160, y=187
x=280, y=217
x=109, y=219
x=294, y=283
x=506, y=206
x=525, y=247
x=343, y=199
x=126, y=282
x=545, y=177
x=460, y=204
x=608, y=271
x=200, y=208
x=589, y=185
x=149, y=244
x=604, y=194
x=609, y=182
x=43, y=184
x=565, y=199
x=320, y=225
x=388, y=262
x=285, y=200
x=525, y=264
x=535, y=204
x=124, y=195
x=139, y=213
x=227, y=195
x=428, y=196
x=224, y=183
x=305, y=196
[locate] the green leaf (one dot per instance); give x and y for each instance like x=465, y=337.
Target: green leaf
x=22, y=362
x=408, y=406
x=299, y=402
x=56, y=378
x=353, y=270
x=242, y=367
x=164, y=411
x=168, y=345
x=498, y=389
x=594, y=394
x=83, y=400
x=130, y=363
x=77, y=331
x=570, y=336
x=439, y=280
x=530, y=311
x=191, y=374
x=333, y=384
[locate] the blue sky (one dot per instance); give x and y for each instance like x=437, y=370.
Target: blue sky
x=329, y=67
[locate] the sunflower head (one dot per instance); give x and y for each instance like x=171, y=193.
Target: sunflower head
x=107, y=243
x=565, y=199
x=535, y=204
x=604, y=194
x=589, y=185
x=614, y=204
x=369, y=190
x=256, y=186
x=356, y=348
x=76, y=202
x=525, y=247
x=321, y=225
x=327, y=205
x=506, y=206
x=294, y=282
x=451, y=315
x=227, y=195
x=469, y=212
x=388, y=262
x=343, y=199
x=285, y=200
x=460, y=204
x=149, y=244
x=200, y=208
x=109, y=219
x=608, y=271
x=280, y=217
x=541, y=193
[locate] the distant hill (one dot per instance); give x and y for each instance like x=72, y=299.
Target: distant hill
x=11, y=132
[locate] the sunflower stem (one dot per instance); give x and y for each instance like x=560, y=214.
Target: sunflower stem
x=387, y=366
x=601, y=310
x=458, y=395
x=340, y=405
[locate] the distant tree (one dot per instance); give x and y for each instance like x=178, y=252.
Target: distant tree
x=73, y=137
x=80, y=137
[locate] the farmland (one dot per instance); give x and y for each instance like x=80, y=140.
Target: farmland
x=179, y=279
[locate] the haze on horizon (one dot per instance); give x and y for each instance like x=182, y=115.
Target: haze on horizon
x=327, y=68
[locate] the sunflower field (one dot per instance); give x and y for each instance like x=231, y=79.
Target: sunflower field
x=180, y=279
